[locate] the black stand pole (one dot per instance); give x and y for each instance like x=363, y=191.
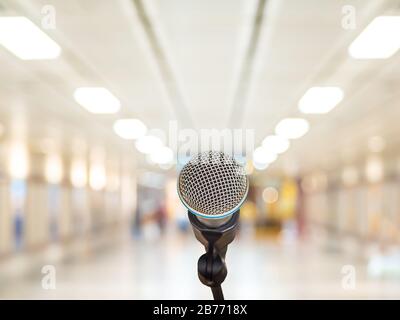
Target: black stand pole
x=211, y=266
x=217, y=293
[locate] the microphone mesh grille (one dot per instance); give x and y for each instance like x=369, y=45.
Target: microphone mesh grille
x=212, y=183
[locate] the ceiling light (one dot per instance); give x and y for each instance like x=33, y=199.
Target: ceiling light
x=97, y=176
x=163, y=155
x=379, y=40
x=374, y=169
x=78, y=173
x=53, y=168
x=18, y=161
x=292, y=128
x=25, y=40
x=148, y=144
x=320, y=99
x=262, y=156
x=260, y=166
x=129, y=129
x=97, y=100
x=275, y=144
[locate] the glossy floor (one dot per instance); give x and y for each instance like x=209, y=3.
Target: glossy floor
x=120, y=267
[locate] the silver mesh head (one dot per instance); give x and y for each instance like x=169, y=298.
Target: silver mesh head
x=212, y=184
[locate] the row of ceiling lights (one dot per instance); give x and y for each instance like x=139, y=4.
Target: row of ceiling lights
x=379, y=40
x=25, y=40
x=99, y=100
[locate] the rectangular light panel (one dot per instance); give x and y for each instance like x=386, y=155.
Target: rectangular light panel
x=379, y=40
x=25, y=40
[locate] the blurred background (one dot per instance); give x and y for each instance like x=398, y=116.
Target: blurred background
x=90, y=92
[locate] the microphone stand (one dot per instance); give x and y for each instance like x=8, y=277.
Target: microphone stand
x=211, y=266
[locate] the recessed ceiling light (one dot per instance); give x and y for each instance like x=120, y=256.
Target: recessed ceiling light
x=320, y=100
x=263, y=156
x=129, y=129
x=275, y=144
x=379, y=40
x=19, y=160
x=374, y=169
x=260, y=166
x=25, y=40
x=53, y=168
x=97, y=176
x=163, y=155
x=148, y=144
x=97, y=100
x=292, y=128
x=78, y=173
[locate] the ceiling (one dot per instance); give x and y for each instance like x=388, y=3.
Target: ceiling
x=207, y=64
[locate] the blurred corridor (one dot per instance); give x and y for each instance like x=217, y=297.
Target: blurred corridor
x=103, y=102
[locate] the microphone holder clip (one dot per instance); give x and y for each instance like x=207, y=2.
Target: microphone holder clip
x=211, y=266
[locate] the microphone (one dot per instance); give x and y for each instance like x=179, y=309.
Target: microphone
x=213, y=186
